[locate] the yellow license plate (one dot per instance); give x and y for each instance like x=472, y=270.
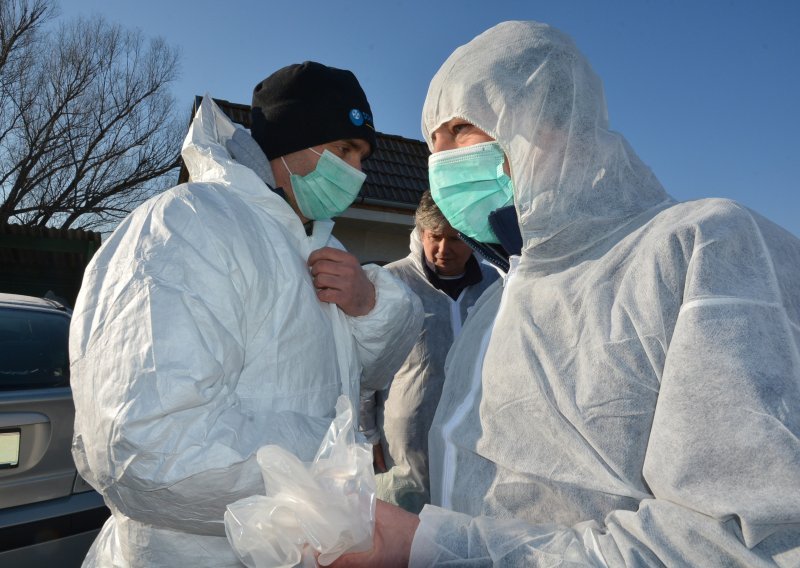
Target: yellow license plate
x=9, y=449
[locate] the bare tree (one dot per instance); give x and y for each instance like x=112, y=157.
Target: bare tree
x=87, y=124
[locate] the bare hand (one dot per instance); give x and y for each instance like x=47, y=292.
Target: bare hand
x=339, y=279
x=378, y=461
x=391, y=543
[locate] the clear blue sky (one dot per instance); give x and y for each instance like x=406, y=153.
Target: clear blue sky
x=707, y=92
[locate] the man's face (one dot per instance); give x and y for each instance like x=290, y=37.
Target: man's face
x=351, y=150
x=445, y=250
x=458, y=133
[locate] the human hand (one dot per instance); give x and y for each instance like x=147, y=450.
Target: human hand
x=339, y=279
x=378, y=460
x=391, y=543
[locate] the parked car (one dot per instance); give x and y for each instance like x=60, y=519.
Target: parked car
x=49, y=515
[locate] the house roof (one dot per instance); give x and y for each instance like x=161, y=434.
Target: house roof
x=397, y=171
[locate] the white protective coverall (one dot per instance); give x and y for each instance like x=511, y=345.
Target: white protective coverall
x=197, y=338
x=406, y=411
x=636, y=400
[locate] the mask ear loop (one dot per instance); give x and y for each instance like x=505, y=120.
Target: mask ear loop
x=287, y=167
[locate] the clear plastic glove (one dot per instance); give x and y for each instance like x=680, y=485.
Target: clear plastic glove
x=327, y=505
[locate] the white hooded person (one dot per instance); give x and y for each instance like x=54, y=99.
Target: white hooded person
x=635, y=398
x=448, y=278
x=222, y=316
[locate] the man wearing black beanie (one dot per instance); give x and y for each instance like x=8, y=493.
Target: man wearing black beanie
x=300, y=111
x=222, y=316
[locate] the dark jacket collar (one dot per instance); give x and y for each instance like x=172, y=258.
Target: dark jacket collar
x=504, y=223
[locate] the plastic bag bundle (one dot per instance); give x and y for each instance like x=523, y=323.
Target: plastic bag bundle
x=327, y=505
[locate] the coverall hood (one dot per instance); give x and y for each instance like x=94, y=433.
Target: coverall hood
x=527, y=85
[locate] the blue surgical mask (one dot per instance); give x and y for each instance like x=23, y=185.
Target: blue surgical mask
x=327, y=190
x=469, y=183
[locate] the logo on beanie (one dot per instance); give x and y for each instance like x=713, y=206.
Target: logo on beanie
x=359, y=117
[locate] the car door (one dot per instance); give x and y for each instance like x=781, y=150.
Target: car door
x=49, y=515
x=36, y=410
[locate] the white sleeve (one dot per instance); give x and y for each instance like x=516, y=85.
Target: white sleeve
x=448, y=538
x=384, y=337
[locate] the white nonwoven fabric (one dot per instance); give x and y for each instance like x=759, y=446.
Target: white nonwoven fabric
x=637, y=398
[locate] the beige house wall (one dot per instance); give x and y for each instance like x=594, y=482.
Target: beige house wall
x=374, y=236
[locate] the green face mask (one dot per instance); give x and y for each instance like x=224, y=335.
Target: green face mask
x=329, y=189
x=469, y=183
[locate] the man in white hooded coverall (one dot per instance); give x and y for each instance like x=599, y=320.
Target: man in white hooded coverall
x=215, y=320
x=448, y=278
x=634, y=393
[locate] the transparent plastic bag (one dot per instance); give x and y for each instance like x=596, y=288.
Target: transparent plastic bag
x=327, y=505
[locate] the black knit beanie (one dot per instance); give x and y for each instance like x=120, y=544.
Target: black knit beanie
x=308, y=104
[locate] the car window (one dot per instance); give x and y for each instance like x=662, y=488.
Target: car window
x=33, y=349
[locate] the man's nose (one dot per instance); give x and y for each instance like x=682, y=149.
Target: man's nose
x=443, y=143
x=355, y=161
